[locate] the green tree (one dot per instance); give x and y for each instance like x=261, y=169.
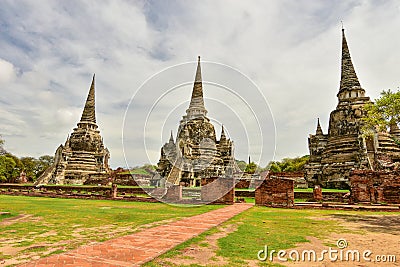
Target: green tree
x=18, y=168
x=274, y=166
x=2, y=150
x=46, y=160
x=35, y=167
x=148, y=166
x=43, y=163
x=30, y=164
x=383, y=113
x=251, y=168
x=241, y=164
x=7, y=165
x=145, y=169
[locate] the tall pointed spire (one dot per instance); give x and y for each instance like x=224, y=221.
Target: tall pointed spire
x=319, y=129
x=223, y=136
x=196, y=107
x=198, y=71
x=89, y=112
x=171, y=138
x=348, y=78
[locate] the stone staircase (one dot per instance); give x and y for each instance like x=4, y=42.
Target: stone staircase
x=174, y=175
x=82, y=160
x=46, y=176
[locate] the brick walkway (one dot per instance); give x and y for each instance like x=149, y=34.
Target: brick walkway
x=141, y=247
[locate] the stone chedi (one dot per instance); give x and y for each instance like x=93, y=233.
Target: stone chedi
x=196, y=153
x=344, y=148
x=83, y=154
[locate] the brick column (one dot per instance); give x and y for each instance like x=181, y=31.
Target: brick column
x=317, y=193
x=114, y=190
x=275, y=192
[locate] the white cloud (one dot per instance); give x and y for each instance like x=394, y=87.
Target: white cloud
x=8, y=72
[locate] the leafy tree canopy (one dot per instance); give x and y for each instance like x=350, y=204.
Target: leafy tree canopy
x=7, y=165
x=18, y=168
x=42, y=163
x=11, y=166
x=2, y=150
x=383, y=113
x=251, y=168
x=29, y=166
x=146, y=169
x=288, y=164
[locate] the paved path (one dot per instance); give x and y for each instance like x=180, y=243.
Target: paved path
x=141, y=247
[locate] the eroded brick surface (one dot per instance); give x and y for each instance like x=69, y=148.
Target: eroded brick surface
x=375, y=186
x=218, y=190
x=174, y=193
x=275, y=192
x=317, y=193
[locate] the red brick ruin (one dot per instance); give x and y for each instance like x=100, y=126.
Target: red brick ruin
x=174, y=193
x=218, y=190
x=317, y=193
x=375, y=186
x=275, y=192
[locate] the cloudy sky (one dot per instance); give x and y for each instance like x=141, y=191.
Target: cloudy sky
x=290, y=50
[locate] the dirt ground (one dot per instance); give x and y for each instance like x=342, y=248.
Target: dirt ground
x=203, y=253
x=378, y=233
x=12, y=253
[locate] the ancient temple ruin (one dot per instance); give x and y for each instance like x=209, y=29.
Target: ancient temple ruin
x=344, y=147
x=196, y=153
x=83, y=153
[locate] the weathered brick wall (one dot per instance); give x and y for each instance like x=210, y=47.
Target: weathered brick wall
x=98, y=178
x=375, y=186
x=390, y=188
x=275, y=192
x=239, y=193
x=218, y=190
x=298, y=177
x=119, y=178
x=69, y=190
x=242, y=183
x=285, y=174
x=125, y=179
x=362, y=186
x=80, y=192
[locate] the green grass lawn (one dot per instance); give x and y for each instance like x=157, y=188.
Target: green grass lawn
x=57, y=225
x=249, y=200
x=277, y=228
x=260, y=226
